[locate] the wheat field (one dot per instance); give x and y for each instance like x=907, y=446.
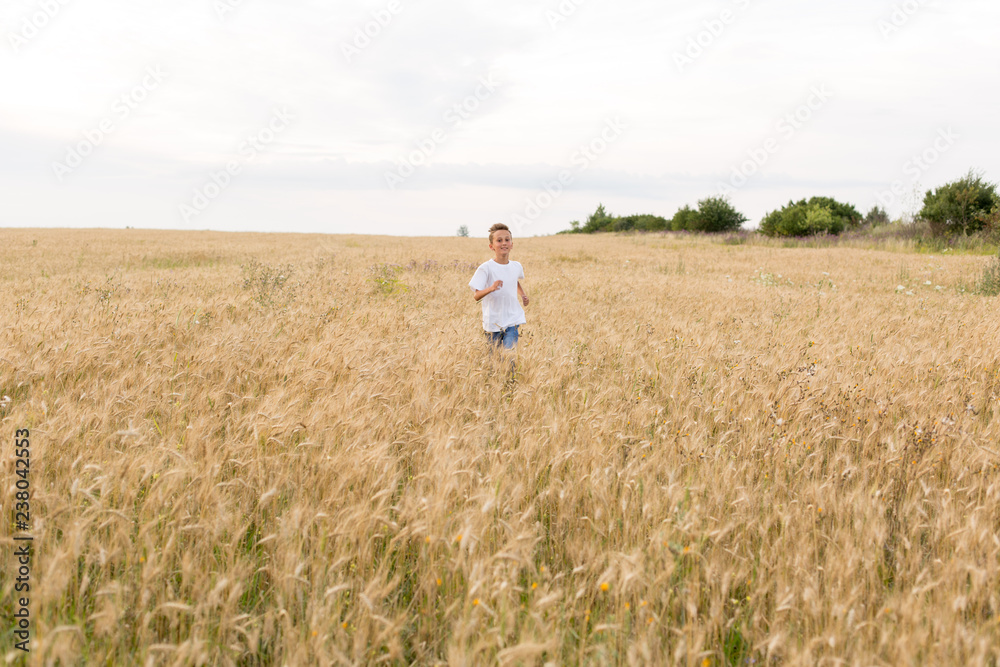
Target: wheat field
x=295, y=450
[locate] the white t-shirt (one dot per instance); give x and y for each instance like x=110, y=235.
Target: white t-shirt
x=501, y=309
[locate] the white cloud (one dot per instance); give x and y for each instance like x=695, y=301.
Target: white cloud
x=355, y=119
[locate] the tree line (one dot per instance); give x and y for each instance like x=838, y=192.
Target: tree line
x=964, y=206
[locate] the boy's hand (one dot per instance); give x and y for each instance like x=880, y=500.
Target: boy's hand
x=497, y=285
x=524, y=298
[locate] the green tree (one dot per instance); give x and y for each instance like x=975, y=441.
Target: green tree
x=876, y=217
x=598, y=221
x=685, y=219
x=960, y=206
x=463, y=231
x=602, y=221
x=846, y=213
x=716, y=214
x=644, y=222
x=819, y=220
x=819, y=215
x=784, y=222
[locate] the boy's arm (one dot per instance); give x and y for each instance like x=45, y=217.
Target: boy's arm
x=521, y=293
x=480, y=293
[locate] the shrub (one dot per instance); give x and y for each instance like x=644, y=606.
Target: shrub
x=819, y=219
x=819, y=215
x=645, y=222
x=716, y=214
x=876, y=217
x=602, y=221
x=463, y=231
x=965, y=205
x=598, y=221
x=989, y=283
x=991, y=220
x=574, y=228
x=684, y=219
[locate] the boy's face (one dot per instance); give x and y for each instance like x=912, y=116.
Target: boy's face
x=502, y=243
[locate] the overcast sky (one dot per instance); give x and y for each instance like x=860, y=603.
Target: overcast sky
x=415, y=117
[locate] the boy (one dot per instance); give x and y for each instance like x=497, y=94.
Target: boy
x=496, y=284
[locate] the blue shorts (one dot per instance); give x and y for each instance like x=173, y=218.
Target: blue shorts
x=506, y=338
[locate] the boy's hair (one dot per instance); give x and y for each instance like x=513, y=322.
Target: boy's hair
x=498, y=227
